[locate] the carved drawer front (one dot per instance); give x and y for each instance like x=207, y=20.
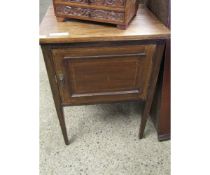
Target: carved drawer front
x=76, y=1
x=107, y=15
x=108, y=3
x=102, y=15
x=114, y=3
x=72, y=11
x=98, y=73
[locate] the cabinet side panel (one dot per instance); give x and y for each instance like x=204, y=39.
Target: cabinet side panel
x=161, y=104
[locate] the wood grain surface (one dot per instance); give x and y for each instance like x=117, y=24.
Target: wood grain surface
x=145, y=26
x=95, y=73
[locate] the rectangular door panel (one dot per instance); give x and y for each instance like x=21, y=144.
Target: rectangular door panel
x=104, y=75
x=101, y=73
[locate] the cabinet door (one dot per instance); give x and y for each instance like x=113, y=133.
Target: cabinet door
x=103, y=73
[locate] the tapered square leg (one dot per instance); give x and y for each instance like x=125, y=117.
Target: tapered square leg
x=153, y=80
x=144, y=119
x=61, y=118
x=55, y=91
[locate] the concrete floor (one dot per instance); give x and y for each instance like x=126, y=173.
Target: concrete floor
x=103, y=138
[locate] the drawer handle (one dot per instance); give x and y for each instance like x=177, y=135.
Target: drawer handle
x=61, y=78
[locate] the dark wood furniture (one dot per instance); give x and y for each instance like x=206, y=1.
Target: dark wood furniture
x=161, y=107
x=91, y=63
x=119, y=12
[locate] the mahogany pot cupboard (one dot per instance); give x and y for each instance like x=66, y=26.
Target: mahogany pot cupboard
x=89, y=63
x=119, y=12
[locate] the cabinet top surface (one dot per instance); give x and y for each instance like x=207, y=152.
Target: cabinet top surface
x=145, y=26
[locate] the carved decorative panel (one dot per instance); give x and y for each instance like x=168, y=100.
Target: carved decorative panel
x=100, y=2
x=107, y=15
x=80, y=1
x=73, y=11
x=90, y=13
x=108, y=2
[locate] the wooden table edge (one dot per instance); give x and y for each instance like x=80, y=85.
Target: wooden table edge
x=100, y=39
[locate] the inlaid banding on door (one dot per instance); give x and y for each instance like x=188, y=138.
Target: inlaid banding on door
x=106, y=56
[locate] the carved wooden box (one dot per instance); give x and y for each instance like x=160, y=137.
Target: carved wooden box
x=119, y=12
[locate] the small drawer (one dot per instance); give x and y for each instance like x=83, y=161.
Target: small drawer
x=72, y=11
x=109, y=15
x=108, y=3
x=98, y=15
x=74, y=1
